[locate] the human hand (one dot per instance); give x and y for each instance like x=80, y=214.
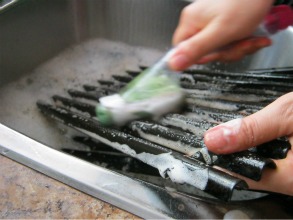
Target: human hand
x=207, y=26
x=237, y=50
x=273, y=121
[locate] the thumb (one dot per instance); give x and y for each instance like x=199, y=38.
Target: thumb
x=273, y=121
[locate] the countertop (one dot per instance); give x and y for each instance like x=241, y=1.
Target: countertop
x=26, y=193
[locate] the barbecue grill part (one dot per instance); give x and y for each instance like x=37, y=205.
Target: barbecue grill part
x=249, y=81
x=123, y=79
x=245, y=163
x=181, y=122
x=92, y=95
x=150, y=174
x=114, y=161
x=153, y=93
x=211, y=115
x=188, y=144
x=275, y=149
x=244, y=108
x=181, y=133
x=177, y=140
x=176, y=166
x=211, y=82
x=93, y=145
x=82, y=106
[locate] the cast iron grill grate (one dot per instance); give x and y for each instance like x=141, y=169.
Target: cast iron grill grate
x=212, y=98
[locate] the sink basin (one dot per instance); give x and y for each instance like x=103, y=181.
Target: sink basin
x=48, y=46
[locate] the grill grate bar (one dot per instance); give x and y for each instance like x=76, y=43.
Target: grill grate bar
x=271, y=74
x=210, y=115
x=244, y=108
x=114, y=161
x=233, y=97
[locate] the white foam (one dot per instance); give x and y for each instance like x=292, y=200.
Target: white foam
x=175, y=169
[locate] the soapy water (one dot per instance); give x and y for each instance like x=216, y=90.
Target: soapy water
x=77, y=65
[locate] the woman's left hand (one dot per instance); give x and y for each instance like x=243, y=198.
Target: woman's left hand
x=273, y=121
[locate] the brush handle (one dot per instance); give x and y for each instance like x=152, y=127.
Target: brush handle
x=279, y=18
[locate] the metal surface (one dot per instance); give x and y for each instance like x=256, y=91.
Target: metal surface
x=4, y=4
x=35, y=32
x=79, y=174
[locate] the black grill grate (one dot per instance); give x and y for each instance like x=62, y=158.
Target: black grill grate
x=212, y=98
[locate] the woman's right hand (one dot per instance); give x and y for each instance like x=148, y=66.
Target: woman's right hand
x=207, y=26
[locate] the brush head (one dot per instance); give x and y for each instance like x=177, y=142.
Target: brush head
x=112, y=113
x=153, y=93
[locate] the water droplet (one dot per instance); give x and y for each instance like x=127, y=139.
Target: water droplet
x=181, y=207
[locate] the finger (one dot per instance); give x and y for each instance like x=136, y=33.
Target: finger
x=272, y=180
x=237, y=50
x=209, y=58
x=258, y=43
x=276, y=180
x=243, y=48
x=190, y=50
x=183, y=33
x=273, y=121
x=187, y=27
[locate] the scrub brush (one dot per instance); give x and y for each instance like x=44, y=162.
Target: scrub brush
x=154, y=92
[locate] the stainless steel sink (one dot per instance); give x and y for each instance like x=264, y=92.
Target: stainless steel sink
x=49, y=45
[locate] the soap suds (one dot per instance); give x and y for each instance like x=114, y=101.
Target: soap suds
x=175, y=169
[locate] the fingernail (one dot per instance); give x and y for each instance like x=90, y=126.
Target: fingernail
x=179, y=61
x=224, y=136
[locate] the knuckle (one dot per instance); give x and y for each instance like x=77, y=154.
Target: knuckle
x=186, y=12
x=249, y=126
x=232, y=30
